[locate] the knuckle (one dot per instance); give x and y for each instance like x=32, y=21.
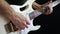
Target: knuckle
x=22, y=27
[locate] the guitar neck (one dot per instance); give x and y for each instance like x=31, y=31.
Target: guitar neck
x=38, y=12
x=53, y=4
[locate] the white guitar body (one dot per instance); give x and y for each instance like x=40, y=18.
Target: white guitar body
x=26, y=12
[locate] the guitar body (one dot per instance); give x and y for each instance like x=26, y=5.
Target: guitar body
x=4, y=21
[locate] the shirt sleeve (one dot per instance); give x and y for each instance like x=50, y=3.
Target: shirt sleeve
x=41, y=1
x=16, y=2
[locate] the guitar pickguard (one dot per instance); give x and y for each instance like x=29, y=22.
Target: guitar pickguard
x=8, y=28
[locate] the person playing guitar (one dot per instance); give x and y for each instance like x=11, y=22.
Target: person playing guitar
x=18, y=19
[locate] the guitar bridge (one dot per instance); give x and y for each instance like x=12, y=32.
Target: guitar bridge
x=10, y=27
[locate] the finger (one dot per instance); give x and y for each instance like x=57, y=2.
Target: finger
x=27, y=22
x=24, y=23
x=49, y=11
x=21, y=27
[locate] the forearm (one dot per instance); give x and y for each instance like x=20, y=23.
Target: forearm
x=38, y=6
x=5, y=9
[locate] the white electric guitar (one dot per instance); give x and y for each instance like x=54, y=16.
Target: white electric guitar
x=29, y=13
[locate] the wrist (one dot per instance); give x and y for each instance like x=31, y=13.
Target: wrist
x=9, y=15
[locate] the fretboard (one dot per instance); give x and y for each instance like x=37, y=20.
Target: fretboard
x=36, y=13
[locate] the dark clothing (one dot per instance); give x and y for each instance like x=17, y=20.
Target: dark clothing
x=41, y=1
x=21, y=2
x=16, y=2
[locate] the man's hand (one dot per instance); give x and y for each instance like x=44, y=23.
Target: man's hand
x=19, y=21
x=37, y=6
x=49, y=11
